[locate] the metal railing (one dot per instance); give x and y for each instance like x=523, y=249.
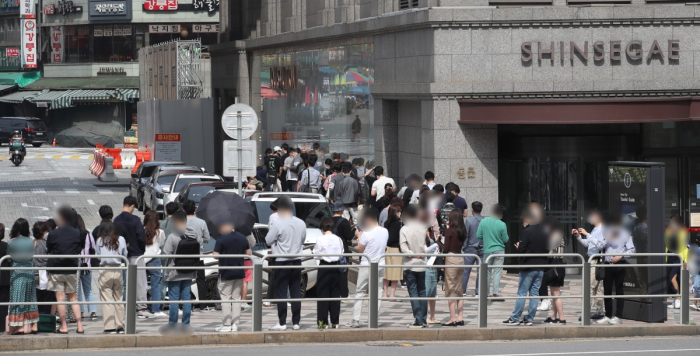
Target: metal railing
x=482, y=266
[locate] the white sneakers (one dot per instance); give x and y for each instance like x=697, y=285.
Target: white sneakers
x=296, y=327
x=278, y=327
x=159, y=314
x=676, y=304
x=545, y=305
x=226, y=329
x=613, y=321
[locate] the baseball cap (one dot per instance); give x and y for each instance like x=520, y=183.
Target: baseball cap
x=277, y=149
x=338, y=206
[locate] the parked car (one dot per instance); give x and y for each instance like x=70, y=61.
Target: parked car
x=159, y=184
x=196, y=191
x=33, y=130
x=185, y=178
x=140, y=178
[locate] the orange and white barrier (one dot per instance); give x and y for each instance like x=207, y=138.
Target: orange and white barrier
x=128, y=158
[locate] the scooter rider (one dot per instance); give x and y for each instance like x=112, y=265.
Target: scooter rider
x=17, y=136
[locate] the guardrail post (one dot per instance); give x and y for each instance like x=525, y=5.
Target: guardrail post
x=130, y=309
x=685, y=297
x=257, y=296
x=484, y=287
x=586, y=292
x=373, y=295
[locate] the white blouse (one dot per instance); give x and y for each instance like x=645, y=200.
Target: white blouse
x=329, y=244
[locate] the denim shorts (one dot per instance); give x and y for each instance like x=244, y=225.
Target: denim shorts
x=431, y=277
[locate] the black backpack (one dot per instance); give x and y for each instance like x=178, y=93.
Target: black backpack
x=186, y=246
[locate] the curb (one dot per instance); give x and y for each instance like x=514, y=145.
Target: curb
x=331, y=336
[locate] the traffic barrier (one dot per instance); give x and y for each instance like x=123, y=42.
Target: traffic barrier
x=115, y=154
x=100, y=164
x=93, y=164
x=128, y=158
x=140, y=158
x=108, y=173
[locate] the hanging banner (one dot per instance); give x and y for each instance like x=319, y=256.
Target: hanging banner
x=29, y=52
x=56, y=44
x=26, y=9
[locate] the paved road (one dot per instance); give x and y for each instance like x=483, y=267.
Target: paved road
x=633, y=346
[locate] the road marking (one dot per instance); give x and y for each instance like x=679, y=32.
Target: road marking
x=91, y=202
x=57, y=156
x=5, y=192
x=104, y=191
x=24, y=205
x=74, y=157
x=71, y=191
x=594, y=352
x=39, y=156
x=39, y=191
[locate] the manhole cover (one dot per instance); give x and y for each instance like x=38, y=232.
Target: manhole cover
x=394, y=344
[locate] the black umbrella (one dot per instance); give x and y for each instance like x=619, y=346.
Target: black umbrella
x=218, y=204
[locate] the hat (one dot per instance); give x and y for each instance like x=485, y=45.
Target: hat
x=277, y=149
x=338, y=206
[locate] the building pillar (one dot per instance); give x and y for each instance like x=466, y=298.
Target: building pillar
x=243, y=84
x=386, y=143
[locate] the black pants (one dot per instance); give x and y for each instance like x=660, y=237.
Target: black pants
x=328, y=286
x=202, y=290
x=544, y=290
x=291, y=185
x=614, y=276
x=45, y=296
x=288, y=279
x=344, y=291
x=4, y=298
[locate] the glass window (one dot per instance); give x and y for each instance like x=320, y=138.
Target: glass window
x=182, y=181
x=100, y=43
x=311, y=213
x=320, y=96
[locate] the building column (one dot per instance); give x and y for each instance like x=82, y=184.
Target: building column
x=243, y=84
x=386, y=144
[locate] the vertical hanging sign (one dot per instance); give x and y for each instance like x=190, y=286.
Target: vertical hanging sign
x=29, y=51
x=56, y=44
x=26, y=9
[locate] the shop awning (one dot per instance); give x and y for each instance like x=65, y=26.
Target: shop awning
x=55, y=99
x=85, y=83
x=18, y=97
x=4, y=87
x=105, y=95
x=59, y=99
x=21, y=79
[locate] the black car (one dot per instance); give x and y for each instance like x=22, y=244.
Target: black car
x=197, y=191
x=33, y=130
x=143, y=173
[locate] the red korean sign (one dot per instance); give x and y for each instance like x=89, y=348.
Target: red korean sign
x=11, y=52
x=160, y=5
x=29, y=50
x=56, y=44
x=282, y=136
x=167, y=137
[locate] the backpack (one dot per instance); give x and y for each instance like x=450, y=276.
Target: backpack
x=186, y=246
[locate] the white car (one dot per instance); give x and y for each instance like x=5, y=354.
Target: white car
x=308, y=207
x=181, y=181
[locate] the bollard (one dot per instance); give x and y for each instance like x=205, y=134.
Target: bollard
x=685, y=296
x=130, y=309
x=108, y=174
x=483, y=294
x=586, y=292
x=257, y=296
x=373, y=295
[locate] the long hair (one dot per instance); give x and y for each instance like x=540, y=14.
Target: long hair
x=457, y=223
x=394, y=214
x=20, y=228
x=151, y=224
x=109, y=236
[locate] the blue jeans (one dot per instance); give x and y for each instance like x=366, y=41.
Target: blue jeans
x=696, y=285
x=468, y=261
x=179, y=290
x=85, y=288
x=494, y=273
x=415, y=282
x=156, y=277
x=431, y=277
x=530, y=281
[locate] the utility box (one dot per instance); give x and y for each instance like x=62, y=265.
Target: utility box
x=636, y=187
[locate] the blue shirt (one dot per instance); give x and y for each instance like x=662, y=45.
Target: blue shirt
x=233, y=243
x=472, y=244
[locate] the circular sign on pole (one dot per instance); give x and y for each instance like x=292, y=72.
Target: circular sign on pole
x=249, y=121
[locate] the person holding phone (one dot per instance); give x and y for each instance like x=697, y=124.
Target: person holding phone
x=589, y=241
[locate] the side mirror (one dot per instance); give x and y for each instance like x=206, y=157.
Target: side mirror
x=134, y=175
x=166, y=189
x=204, y=170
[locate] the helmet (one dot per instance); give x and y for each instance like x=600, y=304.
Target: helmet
x=16, y=133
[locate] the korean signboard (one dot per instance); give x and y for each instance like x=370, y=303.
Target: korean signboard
x=9, y=58
x=206, y=28
x=103, y=10
x=56, y=44
x=163, y=28
x=168, y=147
x=26, y=9
x=176, y=5
x=29, y=50
x=62, y=7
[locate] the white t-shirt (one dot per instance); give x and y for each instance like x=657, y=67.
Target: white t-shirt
x=379, y=184
x=154, y=249
x=375, y=244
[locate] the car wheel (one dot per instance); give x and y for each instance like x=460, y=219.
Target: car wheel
x=304, y=283
x=37, y=144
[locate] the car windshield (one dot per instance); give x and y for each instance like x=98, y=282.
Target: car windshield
x=196, y=193
x=183, y=181
x=36, y=124
x=310, y=212
x=166, y=180
x=147, y=171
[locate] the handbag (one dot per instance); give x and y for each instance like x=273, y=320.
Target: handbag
x=552, y=273
x=599, y=272
x=343, y=261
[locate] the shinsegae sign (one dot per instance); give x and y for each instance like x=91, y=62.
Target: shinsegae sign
x=634, y=50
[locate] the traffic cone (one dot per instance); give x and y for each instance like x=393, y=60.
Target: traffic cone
x=54, y=142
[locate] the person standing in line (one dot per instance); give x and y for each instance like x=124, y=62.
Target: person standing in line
x=200, y=228
x=412, y=242
x=273, y=163
x=155, y=238
x=494, y=235
x=460, y=202
x=347, y=191
x=378, y=187
x=136, y=245
x=290, y=165
x=356, y=129
x=85, y=277
x=109, y=243
x=166, y=226
x=372, y=242
x=40, y=231
x=65, y=240
x=179, y=283
x=106, y=214
x=342, y=229
x=443, y=214
x=393, y=275
x=22, y=319
x=676, y=242
x=287, y=236
x=472, y=246
x=555, y=276
x=334, y=179
x=615, y=240
x=455, y=236
x=271, y=274
x=590, y=242
x=4, y=279
x=230, y=242
x=310, y=181
x=533, y=240
x=328, y=285
x=429, y=179
x=428, y=207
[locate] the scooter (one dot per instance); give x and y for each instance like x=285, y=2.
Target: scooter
x=17, y=157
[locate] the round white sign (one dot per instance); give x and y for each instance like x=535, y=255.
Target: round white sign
x=249, y=121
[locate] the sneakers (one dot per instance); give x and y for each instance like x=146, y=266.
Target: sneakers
x=677, y=304
x=206, y=310
x=545, y=305
x=615, y=321
x=549, y=320
x=604, y=320
x=694, y=307
x=224, y=329
x=278, y=327
x=354, y=324
x=597, y=316
x=245, y=306
x=159, y=314
x=559, y=322
x=110, y=331
x=416, y=326
x=296, y=327
x=145, y=314
x=511, y=322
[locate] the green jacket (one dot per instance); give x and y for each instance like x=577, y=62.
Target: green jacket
x=493, y=233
